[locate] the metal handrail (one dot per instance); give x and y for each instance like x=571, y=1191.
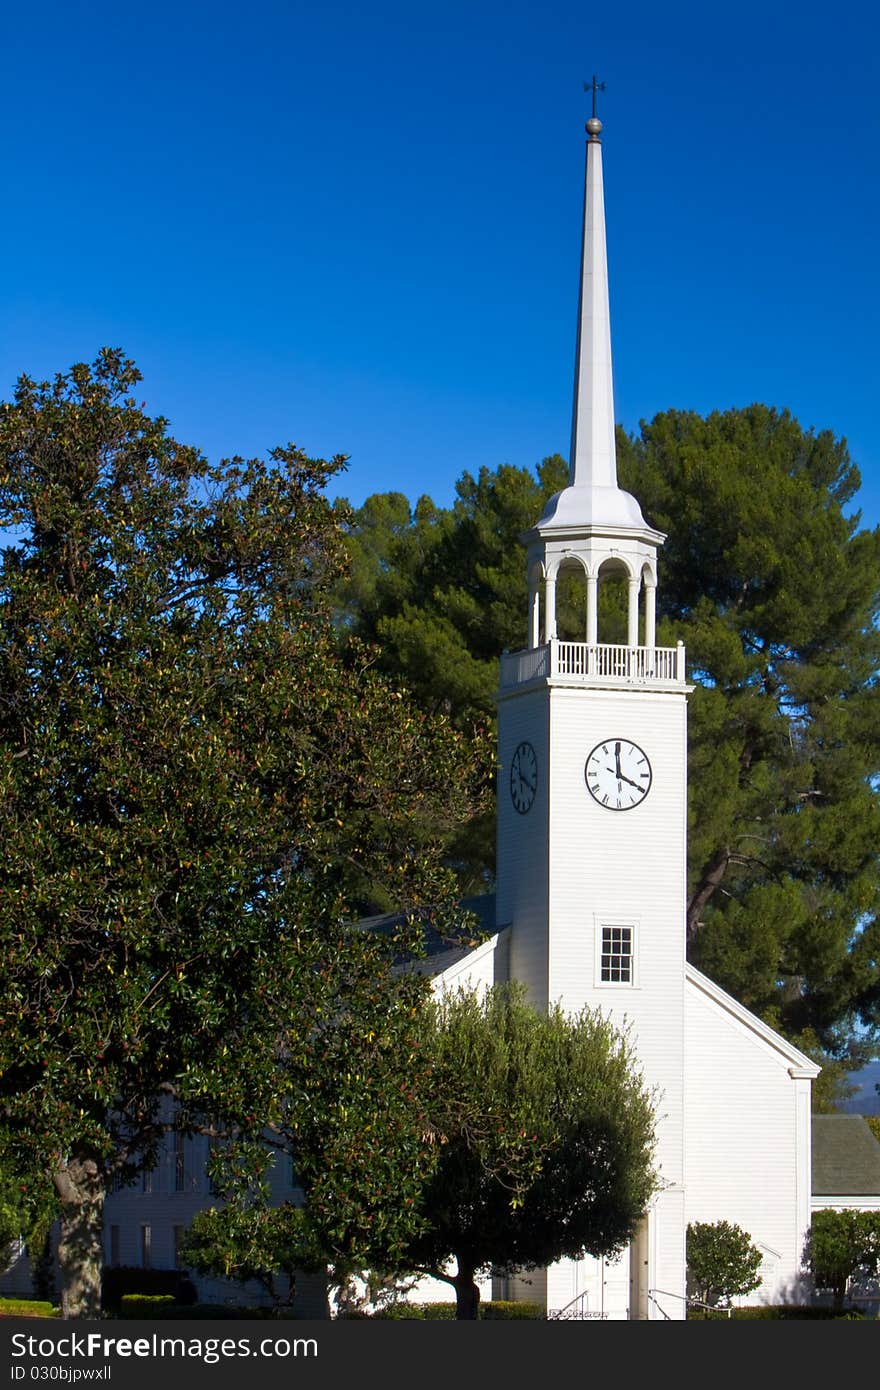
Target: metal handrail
x=689, y=1301
x=567, y=1311
x=652, y=1299
x=575, y=1310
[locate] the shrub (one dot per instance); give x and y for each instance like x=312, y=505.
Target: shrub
x=145, y=1305
x=779, y=1312
x=492, y=1310
x=843, y=1245
x=162, y=1308
x=501, y=1308
x=121, y=1280
x=419, y=1311
x=722, y=1262
x=26, y=1308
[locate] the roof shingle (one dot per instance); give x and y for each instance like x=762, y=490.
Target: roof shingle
x=846, y=1157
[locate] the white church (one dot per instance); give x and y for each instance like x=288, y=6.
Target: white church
x=591, y=877
x=590, y=905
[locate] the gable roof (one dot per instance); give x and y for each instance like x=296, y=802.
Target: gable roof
x=441, y=952
x=846, y=1157
x=799, y=1064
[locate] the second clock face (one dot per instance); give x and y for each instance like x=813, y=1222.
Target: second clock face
x=523, y=777
x=618, y=774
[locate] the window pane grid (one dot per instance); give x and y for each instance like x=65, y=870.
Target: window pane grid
x=617, y=956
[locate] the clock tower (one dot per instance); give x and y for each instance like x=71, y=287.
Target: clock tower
x=592, y=804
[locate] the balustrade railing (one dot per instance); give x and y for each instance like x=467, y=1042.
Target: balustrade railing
x=601, y=661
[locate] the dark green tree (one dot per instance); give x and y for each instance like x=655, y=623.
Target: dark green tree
x=842, y=1246
x=439, y=593
x=544, y=1134
x=356, y=1140
x=722, y=1261
x=196, y=796
x=442, y=592
x=774, y=589
x=772, y=585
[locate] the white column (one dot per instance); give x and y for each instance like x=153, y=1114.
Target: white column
x=592, y=610
x=550, y=609
x=534, y=615
x=632, y=636
x=650, y=615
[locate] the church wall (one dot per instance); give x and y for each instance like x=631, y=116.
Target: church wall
x=530, y=1286
x=627, y=866
x=522, y=841
x=478, y=971
x=178, y=1188
x=570, y=866
x=748, y=1142
x=17, y=1279
x=666, y=1254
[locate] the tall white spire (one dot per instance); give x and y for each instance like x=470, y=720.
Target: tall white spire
x=593, y=502
x=593, y=460
x=593, y=526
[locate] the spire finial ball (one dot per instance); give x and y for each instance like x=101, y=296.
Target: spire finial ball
x=594, y=126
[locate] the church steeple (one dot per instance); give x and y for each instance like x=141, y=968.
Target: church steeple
x=593, y=456
x=593, y=498
x=592, y=524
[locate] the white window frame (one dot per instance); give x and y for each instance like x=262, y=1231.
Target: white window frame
x=605, y=921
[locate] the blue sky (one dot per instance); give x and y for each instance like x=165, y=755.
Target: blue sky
x=357, y=226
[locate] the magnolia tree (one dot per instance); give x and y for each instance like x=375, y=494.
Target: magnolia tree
x=197, y=795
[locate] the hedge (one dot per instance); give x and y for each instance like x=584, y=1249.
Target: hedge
x=120, y=1281
x=27, y=1308
x=146, y=1305
x=496, y=1310
x=776, y=1312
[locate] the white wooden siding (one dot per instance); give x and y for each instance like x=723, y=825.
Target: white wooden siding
x=748, y=1139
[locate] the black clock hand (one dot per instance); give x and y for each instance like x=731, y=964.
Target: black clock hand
x=638, y=786
x=622, y=777
x=617, y=759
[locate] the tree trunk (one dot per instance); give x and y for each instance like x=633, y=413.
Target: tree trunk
x=710, y=879
x=467, y=1295
x=79, y=1183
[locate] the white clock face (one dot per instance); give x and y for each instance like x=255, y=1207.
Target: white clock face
x=618, y=774
x=523, y=777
